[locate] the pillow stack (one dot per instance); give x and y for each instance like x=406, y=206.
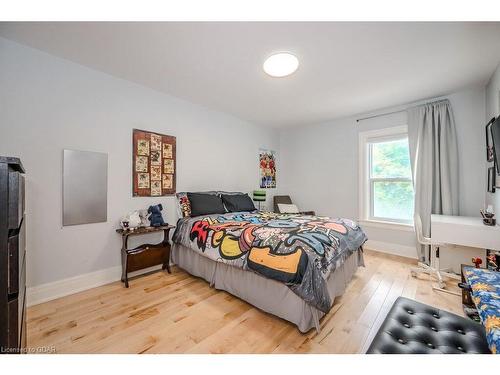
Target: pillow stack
x=207, y=203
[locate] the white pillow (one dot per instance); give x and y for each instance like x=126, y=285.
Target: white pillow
x=288, y=208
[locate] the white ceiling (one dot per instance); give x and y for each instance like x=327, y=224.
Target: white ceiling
x=345, y=68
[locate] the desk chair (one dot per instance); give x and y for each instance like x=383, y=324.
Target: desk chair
x=433, y=269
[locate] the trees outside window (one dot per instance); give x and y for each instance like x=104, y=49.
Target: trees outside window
x=387, y=177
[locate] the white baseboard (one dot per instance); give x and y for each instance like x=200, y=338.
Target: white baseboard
x=61, y=288
x=392, y=248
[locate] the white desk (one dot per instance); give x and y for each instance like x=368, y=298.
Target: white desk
x=464, y=231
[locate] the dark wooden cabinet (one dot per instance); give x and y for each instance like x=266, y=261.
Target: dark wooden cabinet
x=145, y=255
x=12, y=257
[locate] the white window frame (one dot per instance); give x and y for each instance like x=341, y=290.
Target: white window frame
x=366, y=182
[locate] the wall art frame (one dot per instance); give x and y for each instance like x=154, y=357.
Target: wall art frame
x=154, y=164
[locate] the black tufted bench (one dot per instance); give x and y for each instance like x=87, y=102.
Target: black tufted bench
x=414, y=328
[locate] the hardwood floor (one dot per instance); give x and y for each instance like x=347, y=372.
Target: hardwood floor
x=178, y=313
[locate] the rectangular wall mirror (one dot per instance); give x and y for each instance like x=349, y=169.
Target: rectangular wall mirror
x=85, y=187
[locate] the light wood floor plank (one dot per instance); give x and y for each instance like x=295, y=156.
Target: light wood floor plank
x=178, y=313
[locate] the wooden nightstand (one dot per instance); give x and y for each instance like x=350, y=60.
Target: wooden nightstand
x=145, y=255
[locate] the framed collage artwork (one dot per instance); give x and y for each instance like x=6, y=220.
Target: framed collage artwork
x=154, y=164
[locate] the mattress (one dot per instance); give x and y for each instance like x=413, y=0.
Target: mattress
x=300, y=251
x=268, y=295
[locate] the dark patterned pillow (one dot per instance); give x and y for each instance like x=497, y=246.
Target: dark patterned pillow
x=205, y=204
x=184, y=205
x=238, y=202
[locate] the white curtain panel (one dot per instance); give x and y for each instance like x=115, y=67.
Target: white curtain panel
x=434, y=160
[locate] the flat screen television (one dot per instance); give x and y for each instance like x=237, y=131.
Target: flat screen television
x=495, y=137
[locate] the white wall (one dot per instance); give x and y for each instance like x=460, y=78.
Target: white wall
x=320, y=164
x=493, y=110
x=48, y=104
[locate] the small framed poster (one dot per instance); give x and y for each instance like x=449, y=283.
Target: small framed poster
x=267, y=169
x=153, y=164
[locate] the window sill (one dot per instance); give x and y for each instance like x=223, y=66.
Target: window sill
x=387, y=225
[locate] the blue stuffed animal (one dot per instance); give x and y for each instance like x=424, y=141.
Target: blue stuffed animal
x=155, y=218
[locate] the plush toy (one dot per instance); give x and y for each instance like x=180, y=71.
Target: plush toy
x=155, y=218
x=131, y=221
x=493, y=261
x=134, y=220
x=143, y=214
x=124, y=224
x=477, y=262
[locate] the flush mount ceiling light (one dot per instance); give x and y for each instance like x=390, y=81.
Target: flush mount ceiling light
x=281, y=64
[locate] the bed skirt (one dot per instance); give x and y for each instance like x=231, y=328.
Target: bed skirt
x=266, y=294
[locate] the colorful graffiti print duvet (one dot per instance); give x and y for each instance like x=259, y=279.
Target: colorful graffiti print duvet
x=300, y=251
x=485, y=286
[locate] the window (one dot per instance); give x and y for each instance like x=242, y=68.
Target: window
x=386, y=184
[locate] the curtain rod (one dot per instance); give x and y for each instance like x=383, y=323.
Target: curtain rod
x=380, y=115
x=401, y=110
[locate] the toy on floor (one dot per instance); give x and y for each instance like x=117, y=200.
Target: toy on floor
x=477, y=262
x=492, y=261
x=156, y=219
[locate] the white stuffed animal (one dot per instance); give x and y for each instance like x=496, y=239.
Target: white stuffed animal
x=144, y=218
x=133, y=219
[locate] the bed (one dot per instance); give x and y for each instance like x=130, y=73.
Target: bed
x=289, y=265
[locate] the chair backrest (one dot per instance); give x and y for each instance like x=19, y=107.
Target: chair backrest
x=283, y=199
x=417, y=221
